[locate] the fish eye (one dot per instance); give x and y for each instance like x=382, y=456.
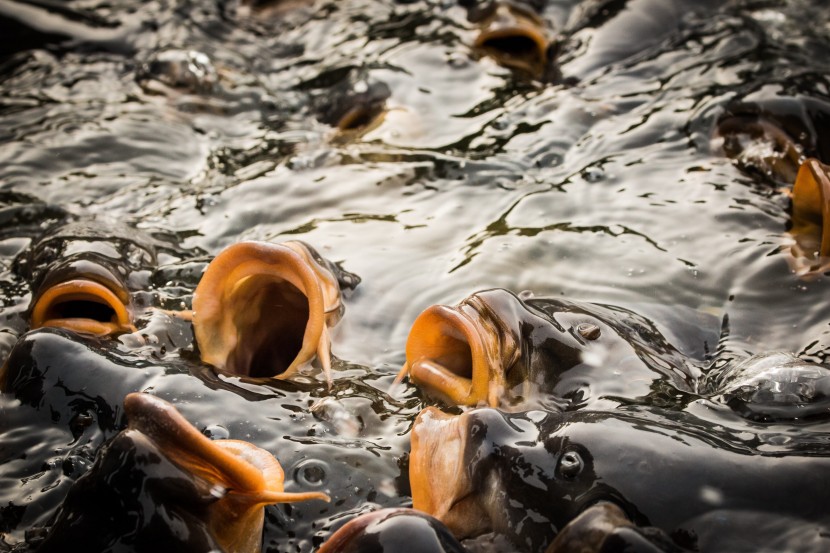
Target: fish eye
x=589, y=331
x=570, y=465
x=311, y=472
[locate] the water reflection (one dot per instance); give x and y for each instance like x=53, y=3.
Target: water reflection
x=208, y=123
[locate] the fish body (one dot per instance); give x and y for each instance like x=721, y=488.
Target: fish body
x=529, y=474
x=209, y=495
x=63, y=399
x=496, y=349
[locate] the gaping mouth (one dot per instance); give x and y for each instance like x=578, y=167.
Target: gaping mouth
x=239, y=466
x=441, y=485
x=83, y=306
x=263, y=310
x=514, y=39
x=460, y=354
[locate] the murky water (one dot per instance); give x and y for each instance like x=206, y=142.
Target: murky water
x=605, y=182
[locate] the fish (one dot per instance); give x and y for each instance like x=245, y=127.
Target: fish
x=264, y=310
x=392, y=530
x=498, y=350
x=83, y=274
x=530, y=474
x=810, y=210
x=189, y=71
x=215, y=490
x=759, y=145
x=348, y=99
x=63, y=400
x=514, y=35
x=771, y=136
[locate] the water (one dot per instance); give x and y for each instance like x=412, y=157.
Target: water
x=606, y=183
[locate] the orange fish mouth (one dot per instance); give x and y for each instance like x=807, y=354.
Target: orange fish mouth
x=244, y=477
x=461, y=354
x=263, y=310
x=440, y=481
x=515, y=39
x=83, y=305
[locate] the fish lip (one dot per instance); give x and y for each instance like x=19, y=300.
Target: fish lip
x=810, y=190
x=462, y=354
x=239, y=467
x=441, y=484
x=452, y=340
x=92, y=288
x=246, y=269
x=511, y=23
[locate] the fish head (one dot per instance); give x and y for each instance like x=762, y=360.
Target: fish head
x=498, y=350
x=462, y=354
x=264, y=310
x=514, y=35
x=349, y=99
x=392, y=530
x=489, y=471
x=83, y=274
x=601, y=355
x=161, y=478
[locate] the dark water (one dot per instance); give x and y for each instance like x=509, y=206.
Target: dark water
x=605, y=182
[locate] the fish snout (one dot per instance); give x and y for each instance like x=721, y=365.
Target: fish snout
x=88, y=304
x=441, y=482
x=264, y=310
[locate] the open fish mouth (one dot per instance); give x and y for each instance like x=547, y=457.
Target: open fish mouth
x=440, y=482
x=263, y=310
x=515, y=38
x=461, y=354
x=83, y=305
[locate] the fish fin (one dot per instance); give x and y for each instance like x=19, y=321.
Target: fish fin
x=324, y=354
x=401, y=374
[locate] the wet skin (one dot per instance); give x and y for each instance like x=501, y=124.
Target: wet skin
x=529, y=474
x=393, y=531
x=72, y=388
x=218, y=491
x=496, y=349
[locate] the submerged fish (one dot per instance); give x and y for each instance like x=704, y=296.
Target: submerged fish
x=207, y=494
x=513, y=34
x=528, y=475
x=83, y=274
x=348, y=99
x=770, y=137
x=493, y=349
x=264, y=310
